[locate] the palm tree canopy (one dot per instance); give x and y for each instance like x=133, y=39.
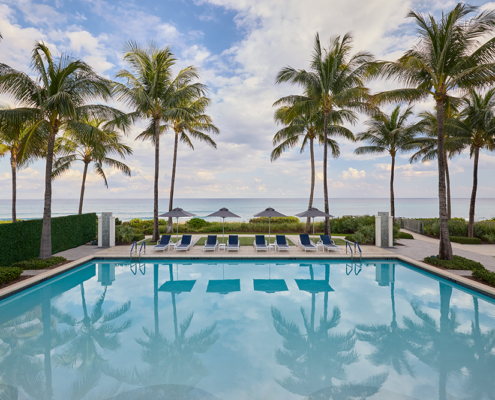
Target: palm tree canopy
x=447, y=57
x=97, y=147
x=389, y=133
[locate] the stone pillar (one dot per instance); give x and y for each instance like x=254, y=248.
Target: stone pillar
x=106, y=230
x=384, y=234
x=106, y=274
x=385, y=274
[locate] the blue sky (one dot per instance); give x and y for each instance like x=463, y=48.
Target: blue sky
x=239, y=46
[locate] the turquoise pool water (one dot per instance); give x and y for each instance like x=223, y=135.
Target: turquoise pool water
x=247, y=330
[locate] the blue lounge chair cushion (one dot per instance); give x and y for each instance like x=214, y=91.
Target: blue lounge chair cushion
x=305, y=241
x=325, y=239
x=281, y=240
x=185, y=241
x=164, y=240
x=233, y=240
x=212, y=240
x=260, y=240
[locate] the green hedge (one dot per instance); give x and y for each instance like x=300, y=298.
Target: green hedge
x=405, y=235
x=21, y=240
x=484, y=275
x=9, y=274
x=457, y=263
x=465, y=240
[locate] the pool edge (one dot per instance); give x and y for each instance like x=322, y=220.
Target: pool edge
x=449, y=276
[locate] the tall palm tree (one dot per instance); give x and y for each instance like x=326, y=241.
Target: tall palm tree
x=392, y=134
x=333, y=85
x=447, y=58
x=192, y=123
x=453, y=143
x=308, y=127
x=95, y=148
x=23, y=149
x=56, y=100
x=151, y=91
x=478, y=119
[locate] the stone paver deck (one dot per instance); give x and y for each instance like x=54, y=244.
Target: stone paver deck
x=423, y=246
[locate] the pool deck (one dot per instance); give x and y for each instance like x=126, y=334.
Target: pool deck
x=411, y=253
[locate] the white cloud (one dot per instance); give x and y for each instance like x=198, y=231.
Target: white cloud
x=352, y=173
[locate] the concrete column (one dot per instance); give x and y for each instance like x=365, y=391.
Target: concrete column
x=384, y=236
x=378, y=231
x=106, y=230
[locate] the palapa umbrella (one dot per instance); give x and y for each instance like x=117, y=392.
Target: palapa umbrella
x=177, y=213
x=313, y=212
x=223, y=213
x=269, y=212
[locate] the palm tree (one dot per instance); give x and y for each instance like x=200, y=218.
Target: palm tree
x=55, y=100
x=453, y=143
x=448, y=57
x=392, y=134
x=333, y=85
x=307, y=127
x=14, y=141
x=478, y=120
x=151, y=91
x=95, y=148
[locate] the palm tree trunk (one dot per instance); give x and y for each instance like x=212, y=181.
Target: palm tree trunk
x=81, y=199
x=325, y=184
x=473, y=193
x=156, y=229
x=447, y=178
x=46, y=231
x=445, y=248
x=13, y=165
x=392, y=198
x=170, y=226
x=311, y=194
x=174, y=306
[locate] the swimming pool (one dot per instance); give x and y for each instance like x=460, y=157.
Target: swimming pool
x=176, y=329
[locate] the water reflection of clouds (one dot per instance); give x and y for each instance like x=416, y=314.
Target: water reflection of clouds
x=242, y=362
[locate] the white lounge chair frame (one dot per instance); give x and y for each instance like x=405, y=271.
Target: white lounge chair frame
x=233, y=247
x=259, y=247
x=283, y=248
x=163, y=247
x=208, y=247
x=177, y=248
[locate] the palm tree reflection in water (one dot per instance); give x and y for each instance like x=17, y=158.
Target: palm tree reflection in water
x=170, y=362
x=317, y=357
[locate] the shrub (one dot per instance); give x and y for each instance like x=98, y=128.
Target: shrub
x=21, y=241
x=124, y=233
x=365, y=234
x=137, y=237
x=465, y=240
x=484, y=275
x=197, y=223
x=141, y=223
x=275, y=220
x=405, y=235
x=9, y=274
x=36, y=263
x=457, y=263
x=490, y=238
x=118, y=221
x=350, y=238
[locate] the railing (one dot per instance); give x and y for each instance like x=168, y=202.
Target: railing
x=348, y=245
x=133, y=247
x=414, y=225
x=353, y=267
x=360, y=252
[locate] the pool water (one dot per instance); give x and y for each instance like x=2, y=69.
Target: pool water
x=247, y=330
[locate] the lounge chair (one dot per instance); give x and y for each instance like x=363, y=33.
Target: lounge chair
x=233, y=243
x=211, y=243
x=328, y=244
x=185, y=243
x=281, y=243
x=164, y=243
x=305, y=242
x=260, y=243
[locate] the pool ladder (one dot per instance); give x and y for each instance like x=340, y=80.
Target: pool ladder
x=134, y=267
x=356, y=249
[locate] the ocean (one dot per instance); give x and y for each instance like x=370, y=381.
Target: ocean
x=125, y=209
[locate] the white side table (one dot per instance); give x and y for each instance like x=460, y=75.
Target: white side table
x=272, y=247
x=222, y=246
x=320, y=245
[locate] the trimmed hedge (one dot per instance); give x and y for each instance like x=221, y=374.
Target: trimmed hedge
x=457, y=263
x=405, y=235
x=465, y=240
x=21, y=240
x=9, y=274
x=484, y=275
x=36, y=263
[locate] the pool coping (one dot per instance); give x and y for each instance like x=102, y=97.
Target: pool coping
x=449, y=276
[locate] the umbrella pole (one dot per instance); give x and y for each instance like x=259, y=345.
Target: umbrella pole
x=177, y=229
x=223, y=230
x=313, y=229
x=269, y=231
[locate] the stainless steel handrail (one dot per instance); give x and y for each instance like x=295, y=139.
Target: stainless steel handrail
x=348, y=244
x=360, y=252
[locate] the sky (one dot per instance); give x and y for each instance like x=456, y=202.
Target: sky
x=239, y=46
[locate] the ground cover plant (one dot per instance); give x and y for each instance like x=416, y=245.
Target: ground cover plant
x=479, y=271
x=458, y=227
x=9, y=274
x=36, y=263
